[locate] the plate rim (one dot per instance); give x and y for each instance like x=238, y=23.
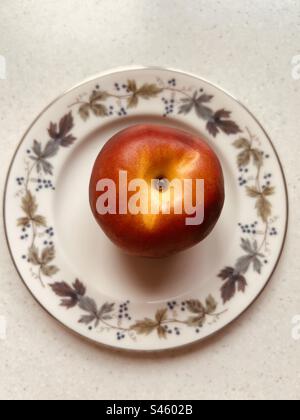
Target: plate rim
x=117, y=70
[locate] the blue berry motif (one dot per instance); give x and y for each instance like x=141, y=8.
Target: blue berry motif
x=267, y=179
x=177, y=331
x=169, y=106
x=50, y=231
x=122, y=112
x=172, y=82
x=242, y=180
x=171, y=305
x=249, y=228
x=24, y=234
x=123, y=311
x=120, y=335
x=273, y=232
x=44, y=184
x=20, y=181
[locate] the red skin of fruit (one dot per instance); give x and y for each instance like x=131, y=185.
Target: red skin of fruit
x=149, y=152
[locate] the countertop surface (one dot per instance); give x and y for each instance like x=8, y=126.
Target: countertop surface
x=248, y=48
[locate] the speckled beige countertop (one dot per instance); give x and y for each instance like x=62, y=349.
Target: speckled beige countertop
x=245, y=46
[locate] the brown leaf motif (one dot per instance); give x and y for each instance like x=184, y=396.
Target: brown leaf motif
x=71, y=294
x=231, y=279
x=221, y=122
x=146, y=91
x=147, y=325
x=196, y=307
x=200, y=311
x=216, y=121
x=196, y=321
x=131, y=86
x=84, y=111
x=211, y=305
x=234, y=277
x=94, y=105
x=30, y=207
x=43, y=260
x=33, y=256
x=263, y=205
x=264, y=208
x=247, y=152
x=94, y=315
x=161, y=315
x=197, y=102
x=61, y=136
x=61, y=133
x=49, y=270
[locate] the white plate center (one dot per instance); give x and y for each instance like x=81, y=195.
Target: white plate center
x=105, y=269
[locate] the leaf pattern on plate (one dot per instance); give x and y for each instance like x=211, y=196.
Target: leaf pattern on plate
x=234, y=277
x=111, y=316
x=216, y=121
x=30, y=207
x=61, y=136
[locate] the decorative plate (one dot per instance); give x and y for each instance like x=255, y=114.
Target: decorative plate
x=74, y=271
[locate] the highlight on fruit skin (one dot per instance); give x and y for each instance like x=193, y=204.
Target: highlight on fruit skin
x=156, y=155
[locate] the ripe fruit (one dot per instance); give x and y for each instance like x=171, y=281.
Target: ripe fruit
x=157, y=155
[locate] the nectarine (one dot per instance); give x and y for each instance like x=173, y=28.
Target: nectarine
x=156, y=190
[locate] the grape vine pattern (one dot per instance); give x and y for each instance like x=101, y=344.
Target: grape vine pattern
x=38, y=235
x=250, y=157
x=129, y=94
